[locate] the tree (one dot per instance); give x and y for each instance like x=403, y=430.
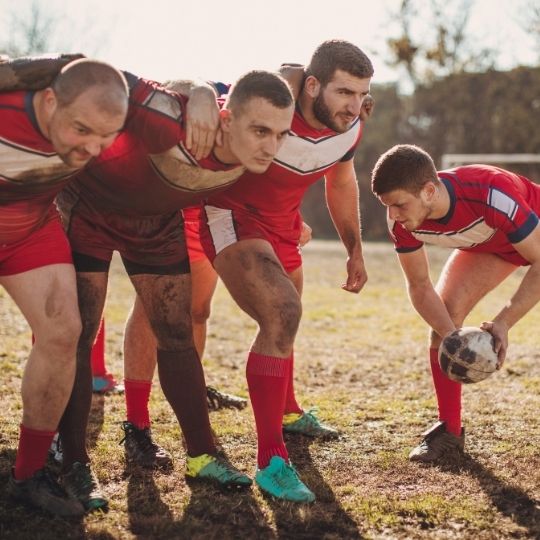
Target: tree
x=30, y=34
x=443, y=48
x=531, y=22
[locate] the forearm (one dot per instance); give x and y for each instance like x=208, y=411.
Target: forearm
x=431, y=308
x=186, y=87
x=524, y=299
x=343, y=205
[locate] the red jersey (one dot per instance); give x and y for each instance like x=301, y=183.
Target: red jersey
x=304, y=157
x=31, y=172
x=148, y=170
x=490, y=209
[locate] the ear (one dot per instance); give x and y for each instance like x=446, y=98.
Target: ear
x=225, y=117
x=312, y=86
x=50, y=103
x=428, y=192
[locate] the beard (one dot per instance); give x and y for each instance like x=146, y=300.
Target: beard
x=323, y=114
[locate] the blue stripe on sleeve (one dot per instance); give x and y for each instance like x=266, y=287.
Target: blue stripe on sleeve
x=524, y=231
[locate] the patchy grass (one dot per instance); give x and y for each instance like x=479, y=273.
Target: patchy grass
x=362, y=360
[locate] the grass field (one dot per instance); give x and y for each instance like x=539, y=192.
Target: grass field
x=362, y=361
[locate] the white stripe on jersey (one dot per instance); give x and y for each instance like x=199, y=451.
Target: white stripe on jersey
x=179, y=171
x=475, y=233
x=23, y=165
x=162, y=103
x=221, y=226
x=502, y=202
x=307, y=155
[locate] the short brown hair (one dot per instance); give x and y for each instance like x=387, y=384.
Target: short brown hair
x=263, y=84
x=337, y=54
x=80, y=75
x=404, y=166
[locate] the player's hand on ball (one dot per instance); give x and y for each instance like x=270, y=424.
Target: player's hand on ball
x=499, y=331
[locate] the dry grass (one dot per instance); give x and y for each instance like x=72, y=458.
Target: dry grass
x=362, y=361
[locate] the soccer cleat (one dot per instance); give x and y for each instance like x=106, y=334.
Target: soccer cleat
x=437, y=443
x=142, y=450
x=280, y=479
x=82, y=484
x=42, y=491
x=216, y=470
x=219, y=400
x=105, y=384
x=308, y=424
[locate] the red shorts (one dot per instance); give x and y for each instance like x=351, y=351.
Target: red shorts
x=150, y=241
x=45, y=246
x=192, y=231
x=221, y=228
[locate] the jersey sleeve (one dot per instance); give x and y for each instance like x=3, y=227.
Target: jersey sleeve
x=508, y=210
x=404, y=241
x=155, y=116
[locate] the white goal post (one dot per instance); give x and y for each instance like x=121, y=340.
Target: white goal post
x=449, y=160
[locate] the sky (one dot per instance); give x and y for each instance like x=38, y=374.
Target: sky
x=218, y=40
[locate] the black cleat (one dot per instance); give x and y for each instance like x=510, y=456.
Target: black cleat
x=142, y=450
x=219, y=400
x=42, y=491
x=437, y=443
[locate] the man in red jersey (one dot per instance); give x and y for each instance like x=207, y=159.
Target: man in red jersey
x=252, y=238
x=489, y=216
x=45, y=137
x=128, y=200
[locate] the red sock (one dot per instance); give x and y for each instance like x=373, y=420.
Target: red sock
x=97, y=357
x=448, y=395
x=267, y=379
x=32, y=453
x=291, y=405
x=137, y=396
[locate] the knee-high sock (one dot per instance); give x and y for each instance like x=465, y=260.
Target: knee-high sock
x=97, y=356
x=32, y=453
x=267, y=378
x=74, y=421
x=291, y=405
x=137, y=396
x=182, y=380
x=448, y=395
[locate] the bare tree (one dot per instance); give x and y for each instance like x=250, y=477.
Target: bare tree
x=30, y=33
x=36, y=28
x=443, y=48
x=530, y=21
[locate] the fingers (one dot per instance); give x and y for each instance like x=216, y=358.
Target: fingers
x=189, y=134
x=355, y=285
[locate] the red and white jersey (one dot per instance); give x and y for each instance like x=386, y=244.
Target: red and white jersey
x=148, y=170
x=490, y=209
x=305, y=156
x=31, y=172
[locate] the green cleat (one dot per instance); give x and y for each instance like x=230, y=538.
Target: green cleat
x=308, y=424
x=216, y=470
x=81, y=483
x=281, y=480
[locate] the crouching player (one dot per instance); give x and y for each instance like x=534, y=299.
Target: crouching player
x=489, y=216
x=129, y=200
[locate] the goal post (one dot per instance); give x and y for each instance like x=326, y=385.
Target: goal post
x=449, y=160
